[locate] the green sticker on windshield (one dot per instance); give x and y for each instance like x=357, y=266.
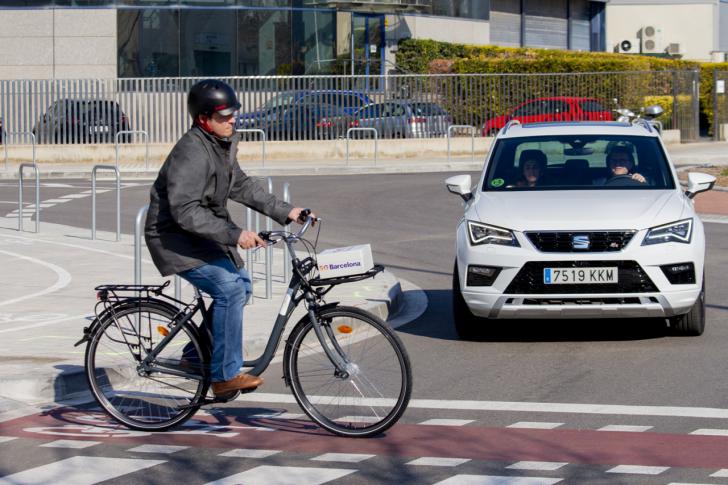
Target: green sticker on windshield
x=497, y=182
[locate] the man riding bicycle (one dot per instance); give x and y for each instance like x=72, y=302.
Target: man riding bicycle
x=189, y=231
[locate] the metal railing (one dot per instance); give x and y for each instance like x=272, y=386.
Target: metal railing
x=472, y=139
x=6, y=138
x=376, y=141
x=133, y=132
x=20, y=195
x=158, y=106
x=114, y=169
x=263, y=138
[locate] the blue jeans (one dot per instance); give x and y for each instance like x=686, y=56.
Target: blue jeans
x=230, y=289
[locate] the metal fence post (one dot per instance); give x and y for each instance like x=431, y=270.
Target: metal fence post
x=20, y=195
x=263, y=137
x=376, y=141
x=133, y=132
x=716, y=125
x=696, y=105
x=472, y=139
x=4, y=135
x=138, y=224
x=117, y=175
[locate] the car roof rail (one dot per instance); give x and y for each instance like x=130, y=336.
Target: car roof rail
x=644, y=123
x=509, y=124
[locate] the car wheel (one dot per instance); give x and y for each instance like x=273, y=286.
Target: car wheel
x=693, y=322
x=467, y=325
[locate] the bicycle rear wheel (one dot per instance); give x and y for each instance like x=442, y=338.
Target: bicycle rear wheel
x=141, y=400
x=377, y=389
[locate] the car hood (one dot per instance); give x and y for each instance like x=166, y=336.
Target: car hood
x=580, y=209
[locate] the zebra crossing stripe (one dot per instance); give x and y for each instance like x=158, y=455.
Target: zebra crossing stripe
x=283, y=475
x=497, y=480
x=78, y=470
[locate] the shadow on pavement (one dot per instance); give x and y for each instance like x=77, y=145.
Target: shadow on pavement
x=437, y=322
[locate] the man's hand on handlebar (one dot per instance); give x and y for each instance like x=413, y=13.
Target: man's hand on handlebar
x=250, y=240
x=299, y=214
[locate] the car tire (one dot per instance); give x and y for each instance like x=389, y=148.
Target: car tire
x=693, y=322
x=467, y=325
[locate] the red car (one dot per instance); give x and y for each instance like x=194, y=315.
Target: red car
x=557, y=108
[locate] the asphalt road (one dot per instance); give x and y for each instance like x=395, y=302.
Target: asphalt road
x=410, y=221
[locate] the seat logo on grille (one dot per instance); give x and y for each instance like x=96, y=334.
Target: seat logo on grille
x=580, y=241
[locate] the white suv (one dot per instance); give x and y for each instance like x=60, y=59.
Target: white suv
x=579, y=220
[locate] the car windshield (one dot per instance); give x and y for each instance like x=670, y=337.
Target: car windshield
x=278, y=101
x=578, y=162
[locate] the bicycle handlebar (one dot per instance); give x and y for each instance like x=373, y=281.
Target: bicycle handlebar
x=275, y=236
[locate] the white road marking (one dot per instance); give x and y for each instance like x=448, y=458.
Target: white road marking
x=343, y=457
x=710, y=432
x=76, y=196
x=75, y=444
x=722, y=473
x=283, y=475
x=249, y=453
x=278, y=416
x=56, y=201
x=167, y=449
x=638, y=469
x=64, y=278
x=5, y=439
x=78, y=470
x=625, y=428
x=510, y=406
x=447, y=422
x=534, y=425
x=497, y=480
x=437, y=461
x=358, y=419
x=541, y=466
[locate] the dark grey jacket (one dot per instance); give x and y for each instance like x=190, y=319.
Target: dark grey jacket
x=188, y=223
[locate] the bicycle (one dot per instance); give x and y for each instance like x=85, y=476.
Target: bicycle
x=147, y=358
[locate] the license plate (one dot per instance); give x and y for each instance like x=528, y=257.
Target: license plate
x=100, y=129
x=576, y=276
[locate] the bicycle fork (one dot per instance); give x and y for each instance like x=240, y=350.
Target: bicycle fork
x=328, y=340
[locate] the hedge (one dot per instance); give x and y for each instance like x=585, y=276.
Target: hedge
x=707, y=91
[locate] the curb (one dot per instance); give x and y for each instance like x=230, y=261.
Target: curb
x=64, y=385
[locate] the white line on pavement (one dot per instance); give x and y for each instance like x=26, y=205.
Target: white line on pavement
x=64, y=278
x=540, y=407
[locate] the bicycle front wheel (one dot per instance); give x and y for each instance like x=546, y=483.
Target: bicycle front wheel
x=376, y=387
x=146, y=400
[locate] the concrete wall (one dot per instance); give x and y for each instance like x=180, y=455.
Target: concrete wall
x=58, y=43
x=691, y=24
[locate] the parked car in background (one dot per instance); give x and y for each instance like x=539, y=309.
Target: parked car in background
x=404, y=119
x=82, y=121
x=2, y=131
x=311, y=121
x=347, y=100
x=557, y=108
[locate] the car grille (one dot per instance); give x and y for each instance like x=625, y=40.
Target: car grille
x=632, y=279
x=562, y=242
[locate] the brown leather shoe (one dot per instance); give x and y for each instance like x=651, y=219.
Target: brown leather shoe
x=240, y=382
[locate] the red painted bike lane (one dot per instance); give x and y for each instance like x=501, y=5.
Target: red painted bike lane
x=588, y=447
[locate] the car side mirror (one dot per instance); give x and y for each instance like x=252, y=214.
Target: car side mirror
x=699, y=182
x=460, y=185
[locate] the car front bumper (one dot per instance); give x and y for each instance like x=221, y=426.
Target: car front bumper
x=664, y=300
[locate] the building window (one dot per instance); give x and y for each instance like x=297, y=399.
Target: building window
x=148, y=43
x=471, y=9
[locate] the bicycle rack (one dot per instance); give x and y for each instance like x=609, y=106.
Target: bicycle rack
x=249, y=255
x=472, y=139
x=269, y=252
x=376, y=141
x=133, y=132
x=138, y=224
x=6, y=138
x=20, y=195
x=286, y=257
x=263, y=137
x=115, y=169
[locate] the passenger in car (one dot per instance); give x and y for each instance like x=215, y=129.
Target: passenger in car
x=620, y=163
x=531, y=165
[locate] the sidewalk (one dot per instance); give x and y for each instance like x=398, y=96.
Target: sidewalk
x=48, y=298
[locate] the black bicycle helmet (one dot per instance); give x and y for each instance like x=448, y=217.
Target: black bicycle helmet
x=212, y=96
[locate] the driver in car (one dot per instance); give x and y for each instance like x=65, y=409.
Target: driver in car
x=621, y=164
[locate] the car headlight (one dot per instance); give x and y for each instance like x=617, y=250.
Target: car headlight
x=680, y=232
x=484, y=234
